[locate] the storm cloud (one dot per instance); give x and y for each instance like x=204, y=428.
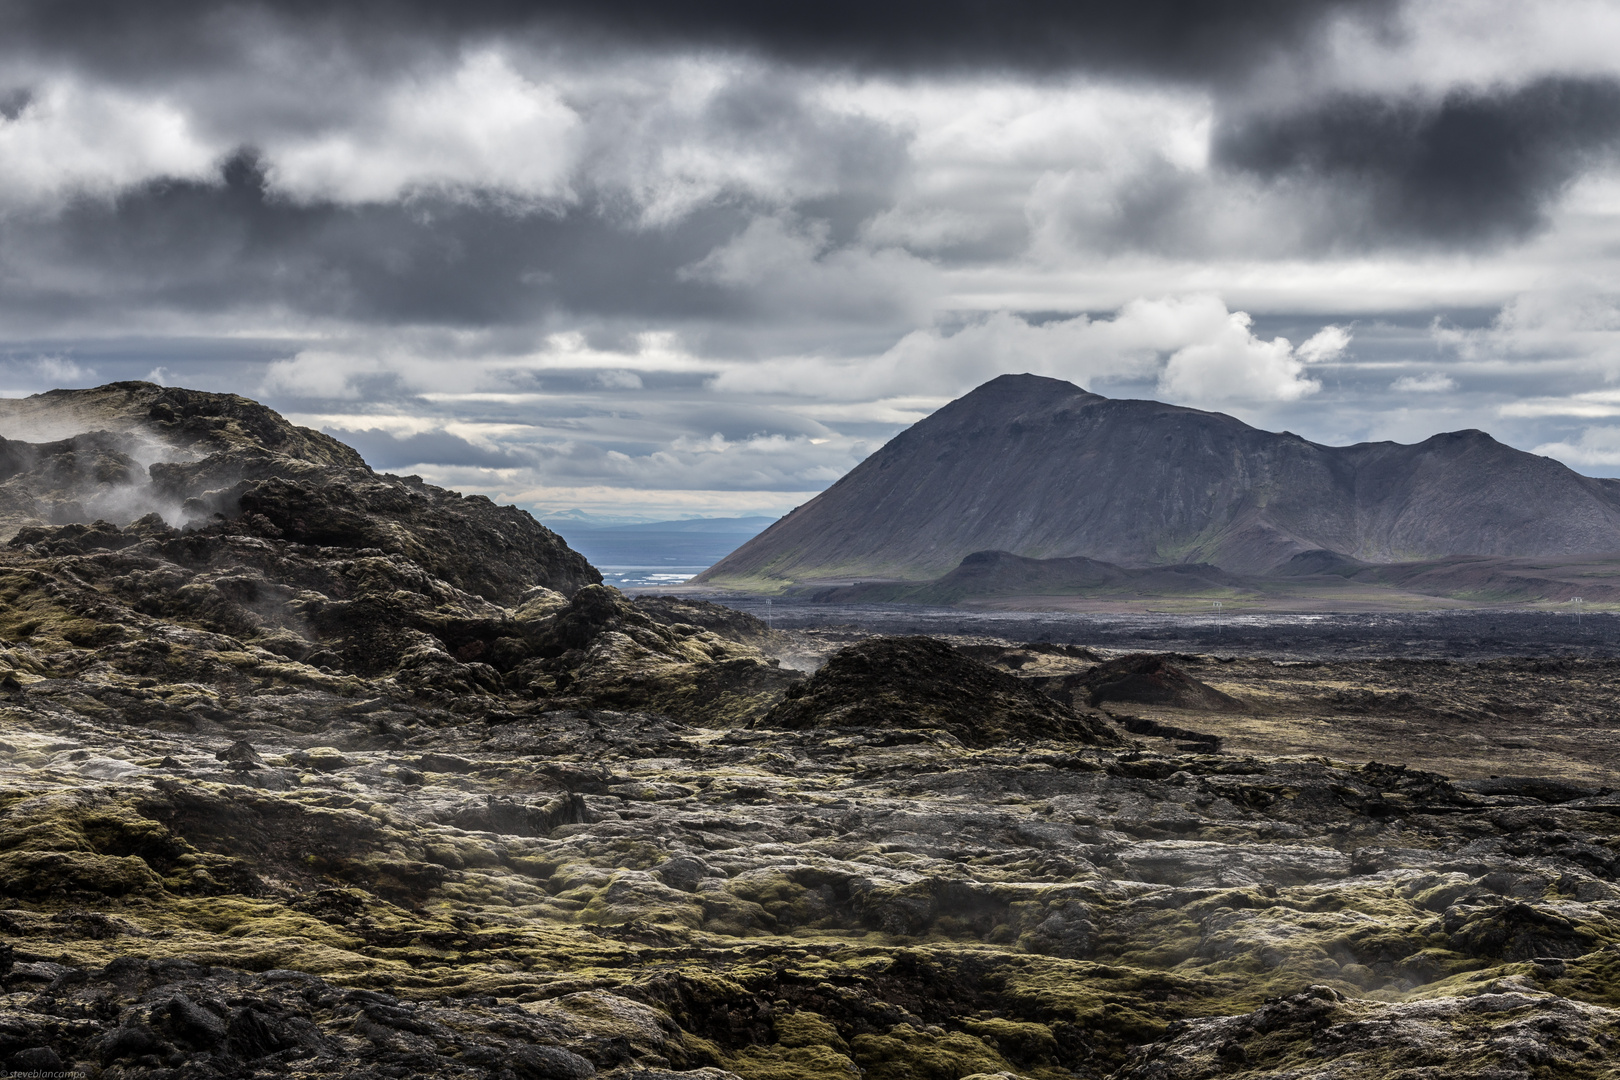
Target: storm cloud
x=1180, y=39
x=1475, y=166
x=704, y=257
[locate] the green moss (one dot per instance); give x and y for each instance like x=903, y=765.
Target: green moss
x=804, y=1028
x=1594, y=977
x=31, y=611
x=784, y=899
x=41, y=874
x=782, y=1062
x=696, y=1053
x=908, y=1054
x=83, y=843
x=1022, y=1042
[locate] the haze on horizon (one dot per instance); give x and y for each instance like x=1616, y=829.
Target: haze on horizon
x=661, y=260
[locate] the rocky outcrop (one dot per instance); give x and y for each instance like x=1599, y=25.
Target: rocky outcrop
x=728, y=622
x=496, y=552
x=918, y=684
x=304, y=566
x=602, y=650
x=193, y=423
x=1043, y=470
x=1512, y=1031
x=100, y=598
x=225, y=466
x=1148, y=679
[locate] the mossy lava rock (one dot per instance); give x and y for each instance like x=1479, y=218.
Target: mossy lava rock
x=1145, y=679
x=918, y=682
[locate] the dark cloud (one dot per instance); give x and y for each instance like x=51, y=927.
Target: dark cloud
x=14, y=101
x=1176, y=38
x=198, y=247
x=459, y=259
x=1471, y=168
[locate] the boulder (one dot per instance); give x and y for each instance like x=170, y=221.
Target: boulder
x=1147, y=679
x=916, y=683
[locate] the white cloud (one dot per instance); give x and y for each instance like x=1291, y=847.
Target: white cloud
x=1428, y=383
x=1590, y=404
x=994, y=159
x=1235, y=365
x=1597, y=446
x=1565, y=336
x=1439, y=44
x=1200, y=351
x=618, y=379
x=73, y=138
x=319, y=373
x=670, y=135
x=466, y=369
x=481, y=127
x=1328, y=343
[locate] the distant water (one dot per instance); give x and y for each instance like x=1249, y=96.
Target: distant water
x=659, y=552
x=626, y=578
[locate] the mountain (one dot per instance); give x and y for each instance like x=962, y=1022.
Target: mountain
x=1042, y=469
x=584, y=519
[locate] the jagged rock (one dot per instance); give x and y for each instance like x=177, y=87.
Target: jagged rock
x=491, y=551
x=191, y=420
x=915, y=683
x=253, y=1034
x=241, y=756
x=726, y=622
x=36, y=1059
x=1507, y=1035
x=1516, y=932
x=550, y=1063
x=239, y=468
x=189, y=1024
x=131, y=1040
x=604, y=649
x=1147, y=679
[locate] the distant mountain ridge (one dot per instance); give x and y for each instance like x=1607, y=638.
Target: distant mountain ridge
x=1043, y=469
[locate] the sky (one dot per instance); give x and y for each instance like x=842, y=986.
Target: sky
x=654, y=259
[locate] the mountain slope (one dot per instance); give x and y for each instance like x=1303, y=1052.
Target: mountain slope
x=1043, y=469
